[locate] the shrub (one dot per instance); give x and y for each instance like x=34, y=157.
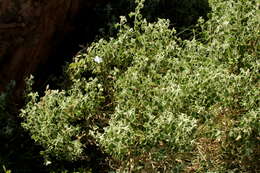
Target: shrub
x=54, y=120
x=155, y=102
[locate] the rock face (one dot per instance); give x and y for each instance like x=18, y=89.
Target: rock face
x=30, y=31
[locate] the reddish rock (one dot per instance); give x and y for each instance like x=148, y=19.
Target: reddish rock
x=29, y=31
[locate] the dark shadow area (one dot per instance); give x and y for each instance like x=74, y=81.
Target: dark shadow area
x=18, y=152
x=97, y=162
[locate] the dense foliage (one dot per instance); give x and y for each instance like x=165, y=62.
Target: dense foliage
x=155, y=102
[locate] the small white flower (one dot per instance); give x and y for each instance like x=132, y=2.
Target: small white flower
x=97, y=59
